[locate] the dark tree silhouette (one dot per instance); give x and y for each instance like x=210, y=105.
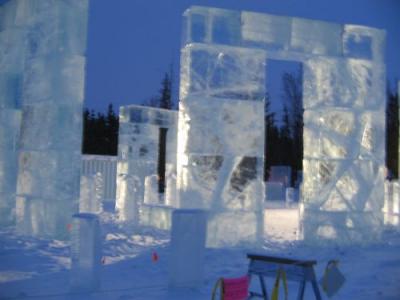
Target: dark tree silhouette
x=100, y=132
x=392, y=132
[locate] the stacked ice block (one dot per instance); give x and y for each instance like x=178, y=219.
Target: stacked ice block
x=221, y=127
x=51, y=128
x=138, y=154
x=91, y=193
x=85, y=253
x=220, y=145
x=13, y=31
x=344, y=138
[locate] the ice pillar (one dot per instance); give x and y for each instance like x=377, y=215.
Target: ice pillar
x=221, y=127
x=51, y=128
x=85, y=253
x=344, y=141
x=13, y=30
x=188, y=237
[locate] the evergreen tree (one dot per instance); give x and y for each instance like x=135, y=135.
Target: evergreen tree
x=392, y=132
x=100, y=132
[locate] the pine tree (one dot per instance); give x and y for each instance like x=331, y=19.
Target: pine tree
x=392, y=132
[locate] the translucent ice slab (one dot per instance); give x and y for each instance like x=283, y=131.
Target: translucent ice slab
x=234, y=229
x=212, y=71
x=343, y=185
x=236, y=131
x=188, y=237
x=128, y=201
x=158, y=216
x=316, y=37
x=341, y=228
x=364, y=42
x=51, y=127
x=91, y=194
x=44, y=217
x=49, y=175
x=54, y=78
x=349, y=83
x=85, y=253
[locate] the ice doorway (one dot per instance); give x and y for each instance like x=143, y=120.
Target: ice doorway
x=283, y=147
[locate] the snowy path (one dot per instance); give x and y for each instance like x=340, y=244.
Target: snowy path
x=38, y=269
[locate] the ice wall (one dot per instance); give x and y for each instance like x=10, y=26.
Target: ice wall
x=344, y=141
x=220, y=137
x=12, y=46
x=139, y=151
x=51, y=128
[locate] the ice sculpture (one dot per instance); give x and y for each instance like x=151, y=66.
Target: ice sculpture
x=128, y=200
x=344, y=130
x=52, y=91
x=85, y=253
x=188, y=237
x=91, y=193
x=12, y=47
x=221, y=128
x=151, y=193
x=221, y=114
x=146, y=149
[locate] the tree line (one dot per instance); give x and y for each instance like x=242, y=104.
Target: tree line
x=284, y=144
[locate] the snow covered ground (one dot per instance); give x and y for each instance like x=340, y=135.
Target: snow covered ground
x=32, y=268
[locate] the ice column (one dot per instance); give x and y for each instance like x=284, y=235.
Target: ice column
x=221, y=127
x=188, y=237
x=344, y=152
x=85, y=253
x=91, y=193
x=51, y=130
x=128, y=199
x=13, y=29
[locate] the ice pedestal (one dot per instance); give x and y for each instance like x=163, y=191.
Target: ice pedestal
x=128, y=199
x=85, y=253
x=188, y=237
x=92, y=193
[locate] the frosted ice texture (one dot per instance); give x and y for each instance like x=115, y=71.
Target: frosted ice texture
x=171, y=196
x=85, y=253
x=9, y=135
x=128, y=201
x=344, y=130
x=138, y=152
x=391, y=208
x=344, y=96
x=188, y=238
x=158, y=216
x=91, y=193
x=151, y=195
x=221, y=138
x=12, y=48
x=52, y=90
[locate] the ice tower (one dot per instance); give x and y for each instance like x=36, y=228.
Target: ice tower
x=47, y=83
x=12, y=45
x=221, y=123
x=221, y=127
